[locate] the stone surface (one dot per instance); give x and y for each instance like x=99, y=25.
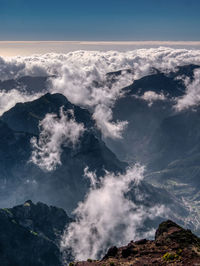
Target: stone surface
x=173, y=245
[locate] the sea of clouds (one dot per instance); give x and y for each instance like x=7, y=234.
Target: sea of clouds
x=76, y=71
x=81, y=77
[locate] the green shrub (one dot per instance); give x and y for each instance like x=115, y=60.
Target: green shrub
x=170, y=256
x=34, y=233
x=179, y=251
x=6, y=210
x=89, y=260
x=112, y=263
x=71, y=264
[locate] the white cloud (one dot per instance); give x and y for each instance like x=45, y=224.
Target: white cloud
x=103, y=117
x=10, y=98
x=107, y=217
x=55, y=132
x=76, y=71
x=151, y=96
x=192, y=95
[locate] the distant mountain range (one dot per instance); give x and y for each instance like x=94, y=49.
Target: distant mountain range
x=165, y=140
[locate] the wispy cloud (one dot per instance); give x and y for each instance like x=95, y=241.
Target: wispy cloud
x=107, y=217
x=192, y=95
x=55, y=133
x=151, y=96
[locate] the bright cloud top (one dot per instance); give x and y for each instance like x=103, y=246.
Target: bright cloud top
x=192, y=96
x=75, y=73
x=55, y=133
x=151, y=96
x=107, y=217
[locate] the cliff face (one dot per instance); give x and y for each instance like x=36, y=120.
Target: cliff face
x=30, y=235
x=172, y=245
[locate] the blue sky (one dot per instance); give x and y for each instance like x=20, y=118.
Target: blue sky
x=100, y=20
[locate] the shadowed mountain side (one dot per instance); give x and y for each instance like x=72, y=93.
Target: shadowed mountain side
x=26, y=116
x=144, y=115
x=30, y=84
x=169, y=84
x=64, y=186
x=165, y=140
x=30, y=234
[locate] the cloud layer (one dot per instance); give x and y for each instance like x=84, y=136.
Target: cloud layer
x=55, y=132
x=107, y=217
x=75, y=73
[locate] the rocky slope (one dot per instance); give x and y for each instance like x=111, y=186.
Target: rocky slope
x=173, y=245
x=30, y=234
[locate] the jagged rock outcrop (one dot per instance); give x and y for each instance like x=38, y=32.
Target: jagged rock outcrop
x=173, y=245
x=30, y=235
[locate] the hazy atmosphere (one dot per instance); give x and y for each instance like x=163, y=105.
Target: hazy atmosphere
x=99, y=132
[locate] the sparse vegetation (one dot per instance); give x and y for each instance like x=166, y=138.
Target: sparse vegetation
x=34, y=233
x=179, y=251
x=112, y=263
x=6, y=210
x=89, y=260
x=170, y=256
x=26, y=204
x=71, y=264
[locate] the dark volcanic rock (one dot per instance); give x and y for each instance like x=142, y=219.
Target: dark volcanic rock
x=30, y=234
x=173, y=245
x=165, y=227
x=112, y=252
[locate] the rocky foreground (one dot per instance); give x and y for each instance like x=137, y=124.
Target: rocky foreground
x=30, y=236
x=173, y=245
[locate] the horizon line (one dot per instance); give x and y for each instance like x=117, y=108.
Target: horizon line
x=106, y=42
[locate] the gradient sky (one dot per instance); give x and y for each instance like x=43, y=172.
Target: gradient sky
x=100, y=20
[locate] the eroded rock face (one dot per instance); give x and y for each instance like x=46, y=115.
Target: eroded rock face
x=172, y=245
x=30, y=234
